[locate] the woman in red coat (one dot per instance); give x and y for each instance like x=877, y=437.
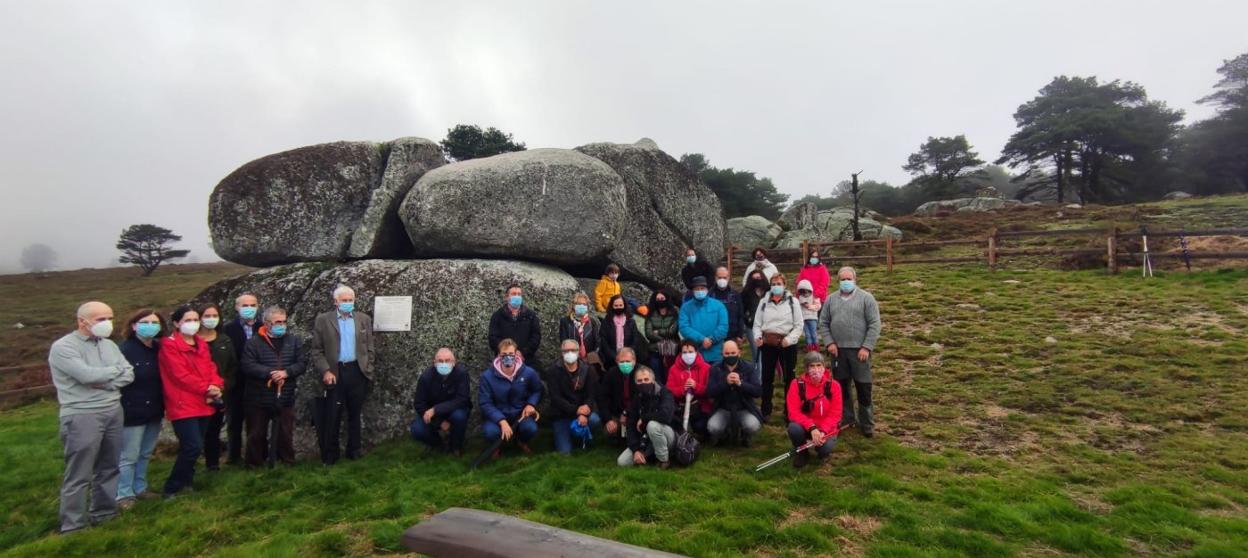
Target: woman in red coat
x=817, y=273
x=814, y=404
x=690, y=373
x=192, y=390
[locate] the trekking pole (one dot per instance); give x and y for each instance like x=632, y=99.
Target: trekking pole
x=497, y=443
x=784, y=456
x=274, y=429
x=688, y=400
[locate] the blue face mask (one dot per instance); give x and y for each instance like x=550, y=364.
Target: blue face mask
x=699, y=294
x=847, y=285
x=777, y=290
x=148, y=330
x=346, y=307
x=581, y=309
x=278, y=330
x=691, y=259
x=515, y=301
x=247, y=312
x=443, y=368
x=509, y=360
x=814, y=261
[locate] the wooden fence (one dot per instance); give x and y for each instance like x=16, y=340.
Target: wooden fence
x=893, y=251
x=22, y=384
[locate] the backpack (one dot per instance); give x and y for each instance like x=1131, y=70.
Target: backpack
x=687, y=446
x=808, y=404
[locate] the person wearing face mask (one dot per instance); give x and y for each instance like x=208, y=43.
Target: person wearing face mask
x=582, y=326
x=608, y=286
x=142, y=403
x=342, y=351
x=650, y=435
x=89, y=371
x=814, y=404
x=662, y=331
x=722, y=291
x=221, y=347
x=272, y=363
x=442, y=404
x=615, y=392
x=810, y=314
x=704, y=321
x=509, y=393
x=817, y=273
x=691, y=374
x=755, y=291
x=777, y=329
x=734, y=387
x=193, y=393
x=516, y=321
x=695, y=266
x=850, y=325
x=239, y=330
x=760, y=263
x=573, y=397
x=619, y=330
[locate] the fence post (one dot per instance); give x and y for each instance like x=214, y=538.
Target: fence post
x=1111, y=244
x=992, y=249
x=888, y=251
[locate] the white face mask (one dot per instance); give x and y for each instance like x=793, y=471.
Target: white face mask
x=571, y=357
x=688, y=358
x=102, y=329
x=189, y=328
x=211, y=323
x=721, y=283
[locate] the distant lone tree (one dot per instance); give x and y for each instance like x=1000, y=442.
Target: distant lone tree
x=465, y=142
x=38, y=258
x=941, y=164
x=147, y=246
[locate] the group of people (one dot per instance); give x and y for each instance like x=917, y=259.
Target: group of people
x=615, y=378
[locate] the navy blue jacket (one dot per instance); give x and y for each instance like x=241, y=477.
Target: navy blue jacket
x=444, y=394
x=142, y=401
x=736, y=398
x=524, y=328
x=500, y=399
x=732, y=301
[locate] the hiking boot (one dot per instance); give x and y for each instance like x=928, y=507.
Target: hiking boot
x=665, y=464
x=126, y=503
x=869, y=432
x=801, y=459
x=745, y=441
x=525, y=448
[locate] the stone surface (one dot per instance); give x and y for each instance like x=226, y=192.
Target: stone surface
x=1177, y=195
x=380, y=232
x=800, y=216
x=755, y=230
x=321, y=202
x=965, y=204
x=554, y=206
x=452, y=303
x=836, y=225
x=669, y=210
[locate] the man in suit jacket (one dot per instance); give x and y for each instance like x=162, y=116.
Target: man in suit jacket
x=342, y=352
x=239, y=330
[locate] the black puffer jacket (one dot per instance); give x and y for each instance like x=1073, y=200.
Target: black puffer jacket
x=265, y=354
x=658, y=407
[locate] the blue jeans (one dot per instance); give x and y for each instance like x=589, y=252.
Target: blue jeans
x=190, y=433
x=431, y=434
x=522, y=433
x=563, y=432
x=754, y=352
x=812, y=333
x=137, y=445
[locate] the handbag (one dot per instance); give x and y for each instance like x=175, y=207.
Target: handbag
x=668, y=347
x=773, y=339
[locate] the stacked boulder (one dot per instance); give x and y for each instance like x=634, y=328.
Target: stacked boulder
x=395, y=219
x=965, y=205
x=805, y=222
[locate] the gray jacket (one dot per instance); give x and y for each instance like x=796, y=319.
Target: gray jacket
x=88, y=373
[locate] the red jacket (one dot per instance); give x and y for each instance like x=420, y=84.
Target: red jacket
x=818, y=276
x=701, y=374
x=186, y=371
x=825, y=412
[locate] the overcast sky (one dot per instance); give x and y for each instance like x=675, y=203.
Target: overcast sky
x=115, y=113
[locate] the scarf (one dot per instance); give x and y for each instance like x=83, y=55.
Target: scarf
x=619, y=320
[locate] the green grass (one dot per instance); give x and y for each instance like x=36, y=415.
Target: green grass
x=1127, y=436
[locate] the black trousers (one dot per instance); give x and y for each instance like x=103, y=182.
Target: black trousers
x=351, y=391
x=212, y=440
x=259, y=419
x=235, y=417
x=787, y=358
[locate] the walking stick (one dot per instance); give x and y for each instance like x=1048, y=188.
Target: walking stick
x=784, y=456
x=273, y=426
x=496, y=444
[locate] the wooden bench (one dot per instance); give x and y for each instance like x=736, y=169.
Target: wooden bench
x=467, y=533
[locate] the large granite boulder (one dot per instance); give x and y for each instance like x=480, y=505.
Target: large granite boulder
x=554, y=206
x=452, y=301
x=836, y=225
x=754, y=230
x=965, y=204
x=800, y=216
x=322, y=202
x=669, y=210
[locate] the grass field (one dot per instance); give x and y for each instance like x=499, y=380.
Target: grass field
x=1022, y=413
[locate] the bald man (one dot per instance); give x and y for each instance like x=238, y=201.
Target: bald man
x=442, y=402
x=89, y=371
